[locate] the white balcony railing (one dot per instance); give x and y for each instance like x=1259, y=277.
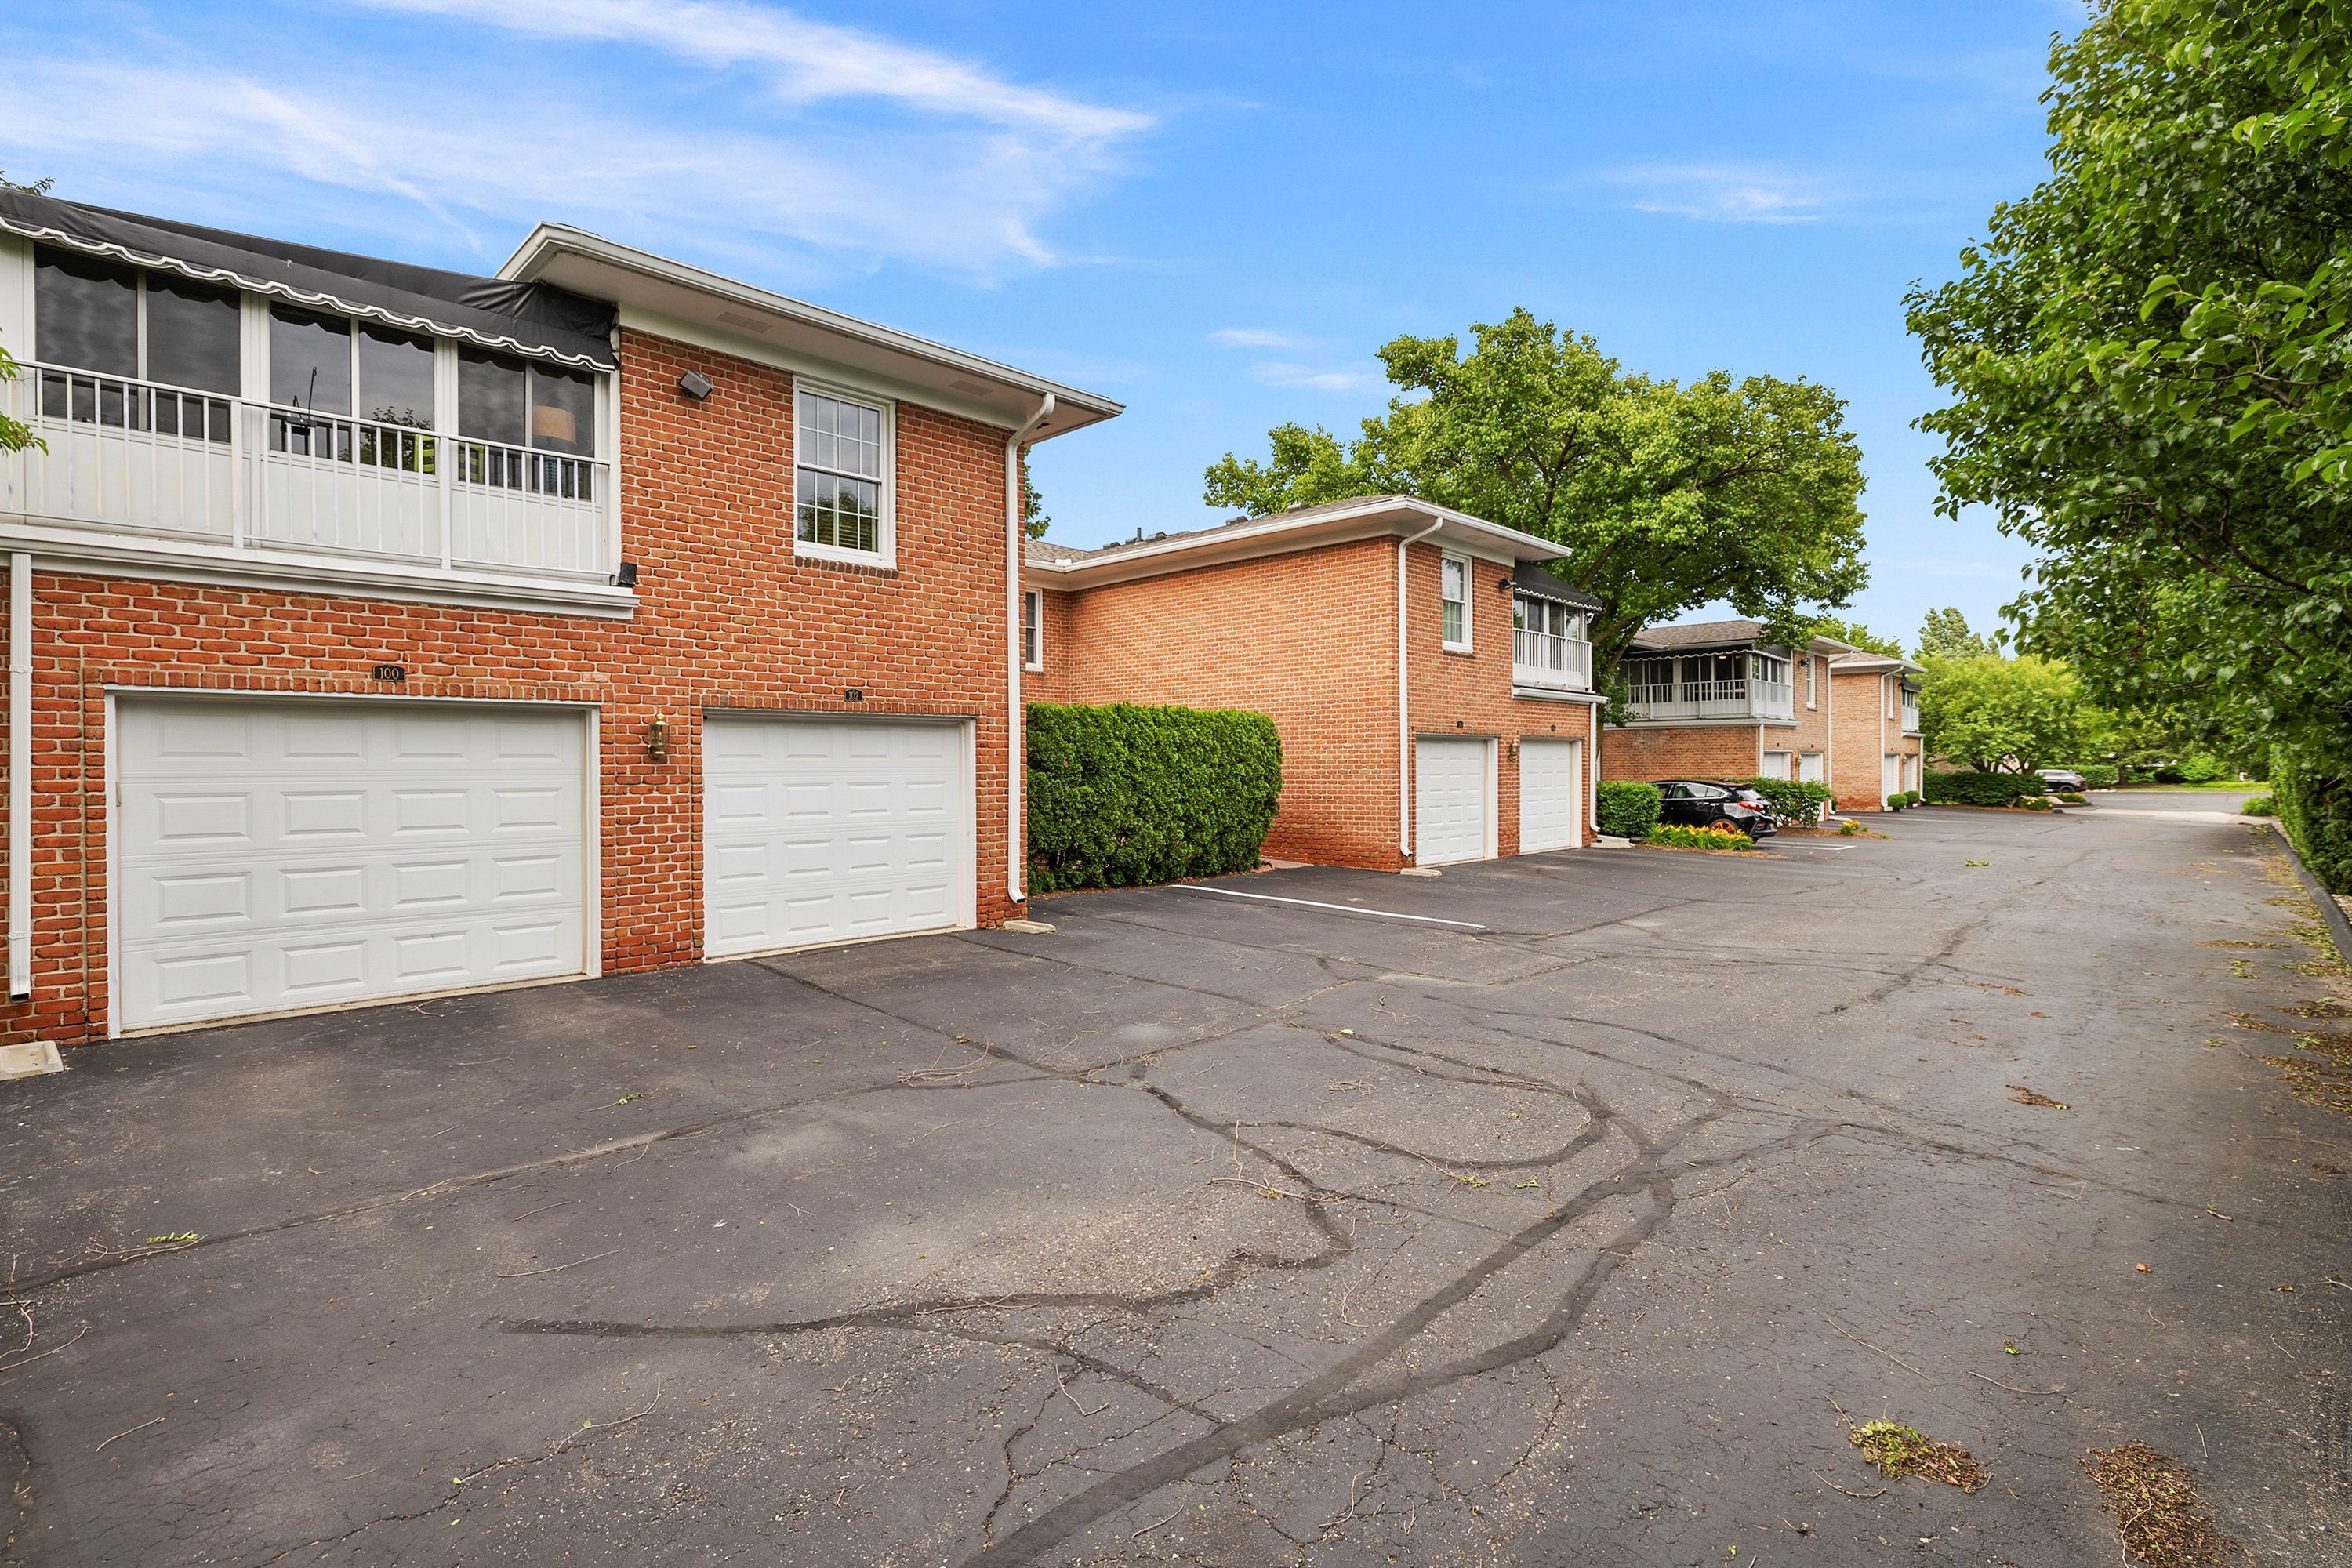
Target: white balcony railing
x=130, y=457
x=1910, y=714
x=1669, y=701
x=1547, y=659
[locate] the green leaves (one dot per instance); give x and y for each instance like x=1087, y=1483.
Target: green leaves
x=1124, y=796
x=1662, y=496
x=2151, y=365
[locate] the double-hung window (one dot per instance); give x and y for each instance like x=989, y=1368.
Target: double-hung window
x=1033, y=629
x=842, y=476
x=1812, y=670
x=1454, y=601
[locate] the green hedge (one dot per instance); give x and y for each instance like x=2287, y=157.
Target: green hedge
x=1125, y=796
x=2098, y=775
x=1627, y=809
x=2317, y=812
x=2260, y=805
x=1792, y=800
x=1968, y=787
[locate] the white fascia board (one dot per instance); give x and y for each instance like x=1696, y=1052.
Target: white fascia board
x=1541, y=694
x=602, y=269
x=1383, y=517
x=169, y=561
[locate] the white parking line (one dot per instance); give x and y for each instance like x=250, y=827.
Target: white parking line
x=1342, y=909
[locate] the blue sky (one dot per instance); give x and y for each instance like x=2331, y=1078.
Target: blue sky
x=1214, y=212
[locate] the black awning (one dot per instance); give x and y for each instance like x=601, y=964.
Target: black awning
x=528, y=318
x=1535, y=582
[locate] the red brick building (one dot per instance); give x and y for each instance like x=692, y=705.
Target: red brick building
x=1713, y=700
x=1481, y=748
x=378, y=631
x=1878, y=738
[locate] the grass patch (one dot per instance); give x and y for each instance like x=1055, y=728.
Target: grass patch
x=1898, y=1450
x=2158, y=1513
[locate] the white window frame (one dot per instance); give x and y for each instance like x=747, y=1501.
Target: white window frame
x=1894, y=689
x=1033, y=629
x=1463, y=642
x=1811, y=671
x=886, y=555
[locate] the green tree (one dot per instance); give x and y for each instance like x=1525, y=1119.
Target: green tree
x=1034, y=520
x=2004, y=715
x=2150, y=359
x=1945, y=634
x=1662, y=496
x=36, y=188
x=1856, y=635
x=14, y=435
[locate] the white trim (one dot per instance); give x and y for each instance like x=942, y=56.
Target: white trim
x=548, y=245
x=1407, y=778
x=886, y=524
x=1467, y=642
x=20, y=777
x=1813, y=667
x=1032, y=660
x=593, y=846
x=1543, y=694
x=76, y=549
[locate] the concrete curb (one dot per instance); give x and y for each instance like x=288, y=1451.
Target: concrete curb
x=2339, y=926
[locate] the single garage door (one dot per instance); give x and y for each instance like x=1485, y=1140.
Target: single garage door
x=1450, y=804
x=1551, y=794
x=275, y=853
x=827, y=830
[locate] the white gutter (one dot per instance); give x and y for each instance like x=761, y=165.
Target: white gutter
x=20, y=776
x=1016, y=762
x=1405, y=713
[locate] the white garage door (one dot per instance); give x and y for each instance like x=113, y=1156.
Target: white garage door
x=1811, y=768
x=275, y=853
x=1551, y=794
x=1450, y=805
x=819, y=831
x=1775, y=765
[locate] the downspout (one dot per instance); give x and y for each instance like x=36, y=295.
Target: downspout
x=20, y=776
x=1016, y=762
x=1405, y=713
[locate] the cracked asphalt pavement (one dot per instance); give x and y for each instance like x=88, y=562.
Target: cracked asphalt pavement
x=1235, y=1231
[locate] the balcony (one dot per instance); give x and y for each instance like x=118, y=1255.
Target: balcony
x=1910, y=714
x=128, y=464
x=1547, y=661
x=1682, y=701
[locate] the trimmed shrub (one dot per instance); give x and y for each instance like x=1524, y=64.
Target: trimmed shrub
x=2317, y=812
x=2098, y=775
x=1627, y=809
x=1124, y=796
x=1968, y=787
x=1682, y=836
x=2260, y=805
x=1897, y=802
x=2202, y=768
x=1791, y=800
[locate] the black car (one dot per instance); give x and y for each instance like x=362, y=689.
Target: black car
x=1702, y=802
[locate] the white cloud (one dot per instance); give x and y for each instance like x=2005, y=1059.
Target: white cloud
x=1252, y=338
x=1276, y=373
x=1725, y=193
x=861, y=149
x=808, y=61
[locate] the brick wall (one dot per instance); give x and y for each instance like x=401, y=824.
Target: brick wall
x=1865, y=734
x=728, y=617
x=1682, y=751
x=1308, y=638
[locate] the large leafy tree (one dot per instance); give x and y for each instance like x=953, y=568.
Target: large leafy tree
x=2150, y=359
x=1855, y=634
x=2005, y=714
x=1662, y=496
x=1945, y=634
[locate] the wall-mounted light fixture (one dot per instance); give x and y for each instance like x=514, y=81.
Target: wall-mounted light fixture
x=657, y=740
x=695, y=384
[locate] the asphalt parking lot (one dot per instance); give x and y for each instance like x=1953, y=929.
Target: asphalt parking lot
x=1559, y=1210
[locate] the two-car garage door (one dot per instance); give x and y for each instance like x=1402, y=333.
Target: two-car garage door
x=273, y=853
